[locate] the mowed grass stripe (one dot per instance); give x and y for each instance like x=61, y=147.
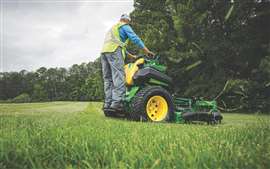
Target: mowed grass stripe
x=86, y=139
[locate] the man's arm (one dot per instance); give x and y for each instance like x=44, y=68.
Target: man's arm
x=136, y=40
x=131, y=56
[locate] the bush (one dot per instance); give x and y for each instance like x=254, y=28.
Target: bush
x=22, y=98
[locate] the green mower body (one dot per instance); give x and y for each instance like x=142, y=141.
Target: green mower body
x=149, y=97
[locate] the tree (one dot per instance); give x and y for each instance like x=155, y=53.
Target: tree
x=208, y=43
x=39, y=93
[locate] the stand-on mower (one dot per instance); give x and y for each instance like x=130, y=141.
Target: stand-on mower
x=149, y=97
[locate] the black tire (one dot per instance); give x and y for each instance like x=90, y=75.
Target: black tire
x=139, y=102
x=217, y=117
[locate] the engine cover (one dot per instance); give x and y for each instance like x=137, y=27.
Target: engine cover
x=145, y=74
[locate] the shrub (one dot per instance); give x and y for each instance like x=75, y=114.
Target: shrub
x=22, y=98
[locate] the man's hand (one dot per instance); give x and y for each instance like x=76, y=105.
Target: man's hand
x=131, y=56
x=148, y=52
x=134, y=57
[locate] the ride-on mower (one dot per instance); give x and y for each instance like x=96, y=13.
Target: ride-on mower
x=149, y=97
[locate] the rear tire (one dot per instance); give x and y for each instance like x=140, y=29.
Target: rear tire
x=140, y=105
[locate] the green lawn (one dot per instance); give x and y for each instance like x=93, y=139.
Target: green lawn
x=77, y=135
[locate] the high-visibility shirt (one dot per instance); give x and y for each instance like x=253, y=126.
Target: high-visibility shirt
x=112, y=39
x=119, y=35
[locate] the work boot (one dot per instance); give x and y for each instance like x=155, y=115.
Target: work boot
x=119, y=107
x=106, y=106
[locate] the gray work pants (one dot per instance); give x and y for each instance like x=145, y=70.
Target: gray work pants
x=114, y=77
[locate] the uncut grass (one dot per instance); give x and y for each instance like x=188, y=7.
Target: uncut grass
x=89, y=140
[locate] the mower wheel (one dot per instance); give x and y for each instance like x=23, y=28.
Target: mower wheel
x=215, y=118
x=152, y=103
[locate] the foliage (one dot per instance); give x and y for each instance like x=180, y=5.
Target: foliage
x=39, y=93
x=22, y=98
x=76, y=135
x=207, y=43
x=80, y=82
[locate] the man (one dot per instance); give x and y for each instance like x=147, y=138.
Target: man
x=112, y=59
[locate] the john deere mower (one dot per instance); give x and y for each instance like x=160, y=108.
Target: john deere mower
x=149, y=97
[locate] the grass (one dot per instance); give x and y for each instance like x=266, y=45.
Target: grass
x=77, y=135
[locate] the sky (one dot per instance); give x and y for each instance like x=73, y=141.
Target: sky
x=55, y=33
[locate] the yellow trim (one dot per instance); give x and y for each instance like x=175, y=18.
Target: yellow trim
x=131, y=69
x=123, y=50
x=157, y=108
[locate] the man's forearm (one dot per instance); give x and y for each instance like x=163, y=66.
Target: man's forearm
x=129, y=55
x=146, y=50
